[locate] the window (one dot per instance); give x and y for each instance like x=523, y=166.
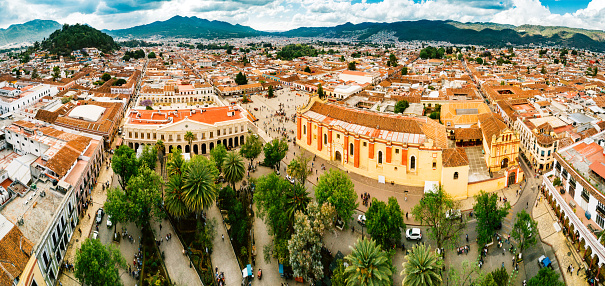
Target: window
x=304, y=129
x=397, y=151
x=455, y=175
x=365, y=144
x=351, y=149
x=338, y=136
x=434, y=165
x=325, y=138
x=45, y=258
x=449, y=124
x=412, y=163
x=585, y=195
x=34, y=282
x=379, y=157
x=542, y=153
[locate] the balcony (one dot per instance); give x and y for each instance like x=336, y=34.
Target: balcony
x=582, y=230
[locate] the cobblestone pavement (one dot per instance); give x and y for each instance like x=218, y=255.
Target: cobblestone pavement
x=565, y=252
x=174, y=259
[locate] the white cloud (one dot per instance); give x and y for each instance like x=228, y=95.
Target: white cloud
x=289, y=14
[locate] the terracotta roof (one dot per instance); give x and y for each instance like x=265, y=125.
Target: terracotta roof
x=67, y=155
x=491, y=124
x=454, y=157
x=396, y=123
x=473, y=133
x=16, y=249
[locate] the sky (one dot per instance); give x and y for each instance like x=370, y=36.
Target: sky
x=279, y=15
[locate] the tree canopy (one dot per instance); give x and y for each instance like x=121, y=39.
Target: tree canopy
x=489, y=215
x=251, y=148
x=125, y=164
x=241, y=79
x=401, y=106
x=546, y=276
x=525, y=230
x=275, y=151
x=335, y=187
x=432, y=210
x=432, y=53
x=218, y=155
x=368, y=265
x=385, y=222
x=300, y=168
x=97, y=264
x=293, y=51
x=76, y=37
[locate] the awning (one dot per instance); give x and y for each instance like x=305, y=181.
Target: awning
x=281, y=268
x=247, y=271
x=599, y=168
x=546, y=261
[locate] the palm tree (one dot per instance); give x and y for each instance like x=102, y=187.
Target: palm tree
x=233, y=168
x=368, y=265
x=422, y=267
x=200, y=190
x=189, y=137
x=176, y=164
x=159, y=145
x=297, y=199
x=174, y=197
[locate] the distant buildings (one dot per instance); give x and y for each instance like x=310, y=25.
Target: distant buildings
x=16, y=96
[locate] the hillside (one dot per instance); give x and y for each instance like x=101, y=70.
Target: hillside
x=187, y=27
x=462, y=33
x=31, y=31
x=75, y=37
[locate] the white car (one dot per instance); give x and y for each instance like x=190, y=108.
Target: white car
x=413, y=234
x=452, y=214
x=95, y=235
x=361, y=219
x=109, y=223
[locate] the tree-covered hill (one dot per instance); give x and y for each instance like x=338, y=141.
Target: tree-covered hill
x=31, y=31
x=76, y=37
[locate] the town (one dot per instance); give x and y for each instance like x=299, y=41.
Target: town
x=277, y=161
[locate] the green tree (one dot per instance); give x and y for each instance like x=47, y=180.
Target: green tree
x=125, y=164
x=144, y=194
x=320, y=91
x=404, y=71
x=543, y=70
x=106, y=77
x=465, y=274
x=270, y=199
x=393, y=60
x=251, y=148
x=300, y=168
x=149, y=157
x=151, y=55
x=489, y=215
x=479, y=60
x=241, y=79
x=296, y=199
x=176, y=164
x=500, y=276
x=335, y=187
x=218, y=155
x=189, y=137
x=352, y=66
x=161, y=148
x=342, y=58
x=432, y=210
x=174, y=197
x=525, y=230
x=307, y=69
x=117, y=206
x=56, y=72
x=270, y=93
x=401, y=106
x=306, y=242
x=422, y=268
x=199, y=190
x=97, y=263
x=368, y=265
x=385, y=222
x=338, y=275
x=275, y=151
x=233, y=168
x=546, y=276
x=35, y=74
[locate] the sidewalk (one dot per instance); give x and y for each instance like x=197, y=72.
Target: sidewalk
x=223, y=255
x=566, y=254
x=176, y=262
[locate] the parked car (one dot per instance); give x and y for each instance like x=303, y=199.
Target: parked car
x=413, y=234
x=99, y=215
x=361, y=219
x=290, y=179
x=95, y=235
x=109, y=223
x=544, y=261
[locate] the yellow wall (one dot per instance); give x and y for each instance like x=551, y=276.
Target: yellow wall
x=457, y=188
x=31, y=272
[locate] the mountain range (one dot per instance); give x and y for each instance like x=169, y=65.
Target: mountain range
x=29, y=32
x=489, y=34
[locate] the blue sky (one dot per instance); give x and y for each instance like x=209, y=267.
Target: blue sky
x=274, y=15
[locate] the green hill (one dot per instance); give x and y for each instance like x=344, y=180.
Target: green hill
x=31, y=31
x=76, y=37
x=188, y=27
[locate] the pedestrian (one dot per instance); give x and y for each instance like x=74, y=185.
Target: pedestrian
x=406, y=215
x=502, y=264
x=160, y=226
x=467, y=237
x=223, y=237
x=527, y=205
x=88, y=216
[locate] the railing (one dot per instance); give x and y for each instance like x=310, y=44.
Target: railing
x=584, y=232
